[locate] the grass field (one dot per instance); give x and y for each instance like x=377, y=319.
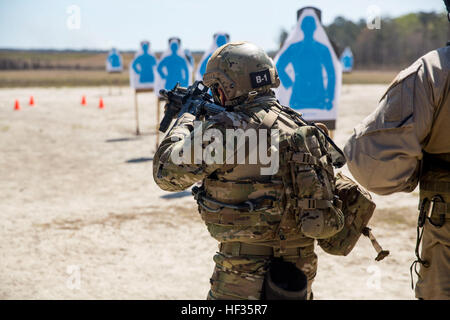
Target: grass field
x=369, y=77
x=40, y=68
x=61, y=78
x=76, y=78
x=58, y=59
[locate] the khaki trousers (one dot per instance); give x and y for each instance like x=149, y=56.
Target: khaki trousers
x=434, y=281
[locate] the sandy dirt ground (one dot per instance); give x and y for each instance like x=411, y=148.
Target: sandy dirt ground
x=81, y=217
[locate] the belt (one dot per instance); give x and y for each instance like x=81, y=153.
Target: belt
x=242, y=248
x=435, y=186
x=260, y=204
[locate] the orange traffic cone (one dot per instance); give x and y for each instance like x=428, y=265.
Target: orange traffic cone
x=83, y=101
x=16, y=105
x=31, y=101
x=100, y=104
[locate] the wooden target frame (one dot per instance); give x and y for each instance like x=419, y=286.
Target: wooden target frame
x=158, y=111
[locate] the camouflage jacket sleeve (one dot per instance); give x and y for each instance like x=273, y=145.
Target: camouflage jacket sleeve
x=385, y=150
x=186, y=156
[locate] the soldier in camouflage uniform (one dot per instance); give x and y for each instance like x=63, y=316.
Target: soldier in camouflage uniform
x=250, y=213
x=406, y=141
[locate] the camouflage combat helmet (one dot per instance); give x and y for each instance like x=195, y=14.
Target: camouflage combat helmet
x=240, y=69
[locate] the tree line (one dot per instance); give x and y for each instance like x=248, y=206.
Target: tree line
x=397, y=43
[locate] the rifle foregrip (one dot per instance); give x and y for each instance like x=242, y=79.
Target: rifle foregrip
x=165, y=122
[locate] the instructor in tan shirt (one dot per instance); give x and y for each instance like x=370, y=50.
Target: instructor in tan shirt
x=406, y=141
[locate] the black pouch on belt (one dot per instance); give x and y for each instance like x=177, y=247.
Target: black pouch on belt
x=284, y=281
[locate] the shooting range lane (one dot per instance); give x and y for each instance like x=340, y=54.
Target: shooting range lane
x=68, y=197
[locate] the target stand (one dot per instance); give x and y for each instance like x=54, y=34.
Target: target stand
x=114, y=81
x=158, y=112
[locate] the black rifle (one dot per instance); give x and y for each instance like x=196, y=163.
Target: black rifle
x=194, y=100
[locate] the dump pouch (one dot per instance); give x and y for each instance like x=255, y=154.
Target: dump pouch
x=284, y=281
x=358, y=208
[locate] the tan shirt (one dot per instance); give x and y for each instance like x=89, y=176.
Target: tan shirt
x=385, y=150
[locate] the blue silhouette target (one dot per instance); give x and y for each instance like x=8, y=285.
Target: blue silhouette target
x=114, y=61
x=310, y=73
x=347, y=60
x=173, y=67
x=143, y=68
x=219, y=39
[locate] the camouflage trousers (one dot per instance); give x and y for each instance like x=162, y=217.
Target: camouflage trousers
x=240, y=276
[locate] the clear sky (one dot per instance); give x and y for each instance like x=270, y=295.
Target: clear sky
x=31, y=24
